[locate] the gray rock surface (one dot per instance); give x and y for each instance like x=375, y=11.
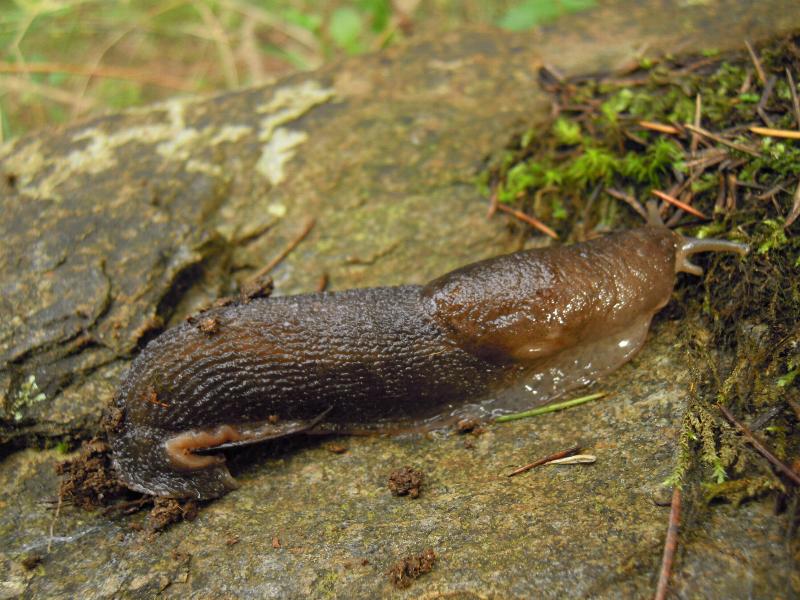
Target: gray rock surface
x=116, y=227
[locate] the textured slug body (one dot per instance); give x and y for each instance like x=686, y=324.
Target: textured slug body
x=545, y=319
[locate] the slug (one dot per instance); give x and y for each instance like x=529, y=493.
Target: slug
x=546, y=320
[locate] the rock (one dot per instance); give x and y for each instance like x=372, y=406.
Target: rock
x=117, y=227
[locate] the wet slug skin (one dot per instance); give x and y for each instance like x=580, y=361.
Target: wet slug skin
x=546, y=320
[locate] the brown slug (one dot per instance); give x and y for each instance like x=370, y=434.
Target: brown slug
x=546, y=320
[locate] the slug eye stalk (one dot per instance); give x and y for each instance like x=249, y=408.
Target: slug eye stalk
x=690, y=246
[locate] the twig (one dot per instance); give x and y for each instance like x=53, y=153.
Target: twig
x=781, y=133
x=707, y=158
x=795, y=102
x=676, y=218
x=295, y=32
x=670, y=545
x=550, y=408
x=525, y=218
x=698, y=113
x=286, y=251
x=764, y=418
x=553, y=73
x=756, y=63
x=628, y=199
x=770, y=193
x=492, y=203
x=730, y=186
x=722, y=140
x=747, y=83
x=795, y=407
x=127, y=506
x=116, y=36
x=545, y=460
x=577, y=459
x=759, y=446
x=219, y=35
x=322, y=282
x=660, y=127
x=108, y=72
x=23, y=85
x=678, y=203
x=795, y=212
x=53, y=522
x=762, y=103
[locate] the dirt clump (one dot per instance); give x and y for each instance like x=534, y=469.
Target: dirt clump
x=405, y=571
x=167, y=511
x=89, y=481
x=406, y=481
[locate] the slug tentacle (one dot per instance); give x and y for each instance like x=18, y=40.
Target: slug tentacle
x=689, y=246
x=653, y=215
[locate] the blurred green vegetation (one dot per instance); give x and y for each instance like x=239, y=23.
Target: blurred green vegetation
x=64, y=59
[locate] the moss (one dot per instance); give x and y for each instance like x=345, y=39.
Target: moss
x=740, y=490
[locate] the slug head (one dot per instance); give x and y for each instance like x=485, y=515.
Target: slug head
x=687, y=246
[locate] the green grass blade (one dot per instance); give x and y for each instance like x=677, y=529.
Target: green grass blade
x=550, y=408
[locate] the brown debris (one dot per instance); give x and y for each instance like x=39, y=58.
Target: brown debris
x=208, y=325
x=112, y=419
x=276, y=542
x=258, y=287
x=152, y=398
x=167, y=511
x=545, y=460
x=406, y=482
x=467, y=425
x=405, y=571
x=89, y=481
x=334, y=448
